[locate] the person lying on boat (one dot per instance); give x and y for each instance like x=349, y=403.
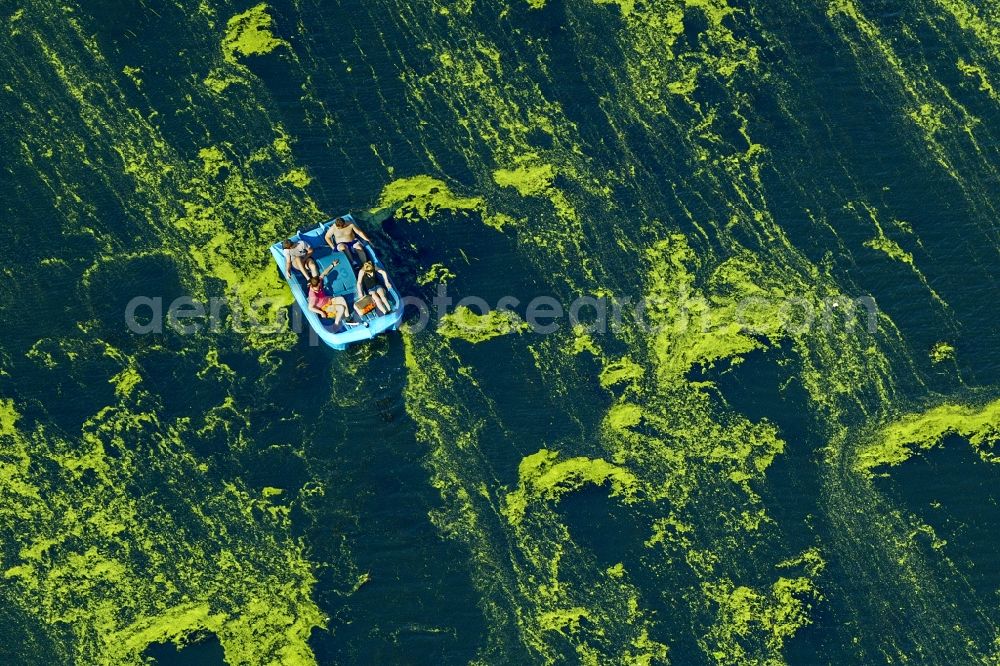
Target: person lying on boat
x=369, y=285
x=299, y=255
x=320, y=302
x=347, y=233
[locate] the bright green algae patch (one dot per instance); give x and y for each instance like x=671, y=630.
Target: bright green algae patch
x=765, y=619
x=527, y=179
x=942, y=351
x=562, y=620
x=899, y=441
x=422, y=196
x=467, y=325
x=8, y=418
x=664, y=445
x=436, y=274
x=116, y=570
x=543, y=608
x=745, y=309
x=541, y=476
x=626, y=6
x=622, y=370
x=250, y=33
x=132, y=523
x=762, y=619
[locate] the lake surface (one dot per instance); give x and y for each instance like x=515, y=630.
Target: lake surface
x=741, y=406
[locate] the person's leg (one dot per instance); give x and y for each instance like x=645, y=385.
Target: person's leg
x=340, y=305
x=359, y=249
x=297, y=263
x=342, y=247
x=381, y=300
x=310, y=263
x=344, y=315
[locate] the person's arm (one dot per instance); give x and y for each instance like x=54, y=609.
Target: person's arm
x=358, y=285
x=326, y=237
x=288, y=264
x=326, y=271
x=385, y=278
x=361, y=233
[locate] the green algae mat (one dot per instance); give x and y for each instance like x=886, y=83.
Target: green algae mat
x=762, y=431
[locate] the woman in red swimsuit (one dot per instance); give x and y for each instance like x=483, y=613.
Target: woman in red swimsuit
x=330, y=307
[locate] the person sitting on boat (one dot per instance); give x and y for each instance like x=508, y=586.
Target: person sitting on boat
x=347, y=234
x=369, y=285
x=299, y=255
x=320, y=302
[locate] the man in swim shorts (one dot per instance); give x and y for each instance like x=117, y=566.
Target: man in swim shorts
x=343, y=234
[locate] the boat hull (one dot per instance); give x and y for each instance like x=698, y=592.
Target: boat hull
x=340, y=282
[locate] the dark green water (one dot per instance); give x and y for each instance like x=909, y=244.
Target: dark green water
x=741, y=489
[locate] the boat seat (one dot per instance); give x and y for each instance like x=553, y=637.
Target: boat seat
x=341, y=280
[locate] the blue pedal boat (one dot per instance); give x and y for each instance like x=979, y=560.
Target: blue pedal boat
x=341, y=281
